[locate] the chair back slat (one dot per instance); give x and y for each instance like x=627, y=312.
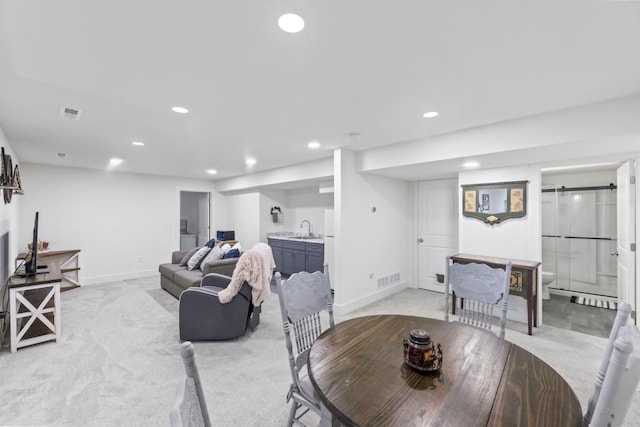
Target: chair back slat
x=478, y=289
x=621, y=379
x=622, y=317
x=189, y=411
x=305, y=298
x=190, y=407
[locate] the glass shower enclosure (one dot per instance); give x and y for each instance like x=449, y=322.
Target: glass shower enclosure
x=579, y=238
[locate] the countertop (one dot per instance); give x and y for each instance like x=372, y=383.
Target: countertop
x=297, y=237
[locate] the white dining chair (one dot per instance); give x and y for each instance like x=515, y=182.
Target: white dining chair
x=618, y=375
x=189, y=408
x=305, y=298
x=478, y=289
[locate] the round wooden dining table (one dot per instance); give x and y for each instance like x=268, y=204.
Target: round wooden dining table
x=358, y=370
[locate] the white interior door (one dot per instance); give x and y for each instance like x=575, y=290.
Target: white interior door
x=626, y=234
x=437, y=229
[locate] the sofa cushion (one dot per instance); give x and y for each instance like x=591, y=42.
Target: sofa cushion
x=187, y=278
x=188, y=255
x=233, y=253
x=168, y=270
x=213, y=255
x=196, y=259
x=221, y=266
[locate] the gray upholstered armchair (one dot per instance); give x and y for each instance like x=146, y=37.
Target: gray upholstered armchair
x=203, y=318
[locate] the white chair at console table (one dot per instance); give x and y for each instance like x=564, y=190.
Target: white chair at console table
x=34, y=308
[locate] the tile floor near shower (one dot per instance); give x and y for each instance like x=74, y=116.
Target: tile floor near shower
x=560, y=312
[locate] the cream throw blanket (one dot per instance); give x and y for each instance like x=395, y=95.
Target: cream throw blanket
x=256, y=267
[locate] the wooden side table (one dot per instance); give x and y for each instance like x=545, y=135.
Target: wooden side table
x=34, y=308
x=69, y=262
x=524, y=281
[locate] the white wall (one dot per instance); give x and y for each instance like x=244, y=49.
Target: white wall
x=518, y=238
x=313, y=170
x=369, y=245
x=308, y=204
x=124, y=224
x=269, y=199
x=243, y=216
x=580, y=179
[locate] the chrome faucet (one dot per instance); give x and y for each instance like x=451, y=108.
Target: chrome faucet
x=308, y=223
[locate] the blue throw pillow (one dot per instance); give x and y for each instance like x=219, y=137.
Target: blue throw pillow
x=211, y=243
x=233, y=253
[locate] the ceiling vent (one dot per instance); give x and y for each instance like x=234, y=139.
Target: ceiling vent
x=70, y=113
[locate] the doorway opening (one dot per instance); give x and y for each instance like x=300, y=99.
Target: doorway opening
x=582, y=213
x=194, y=219
x=579, y=239
x=437, y=230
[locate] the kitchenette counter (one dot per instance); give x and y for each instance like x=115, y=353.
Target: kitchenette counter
x=293, y=252
x=314, y=238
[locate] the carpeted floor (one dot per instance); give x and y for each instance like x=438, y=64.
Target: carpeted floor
x=118, y=363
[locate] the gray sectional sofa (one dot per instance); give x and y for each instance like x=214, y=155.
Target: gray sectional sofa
x=175, y=278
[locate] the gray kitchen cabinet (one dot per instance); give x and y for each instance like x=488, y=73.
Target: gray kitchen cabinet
x=314, y=257
x=293, y=257
x=276, y=249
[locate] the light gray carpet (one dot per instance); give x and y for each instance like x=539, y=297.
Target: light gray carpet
x=118, y=362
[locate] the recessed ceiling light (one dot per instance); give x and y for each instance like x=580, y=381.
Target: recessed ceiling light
x=470, y=164
x=430, y=114
x=211, y=171
x=138, y=143
x=291, y=23
x=314, y=145
x=180, y=110
x=250, y=161
x=114, y=162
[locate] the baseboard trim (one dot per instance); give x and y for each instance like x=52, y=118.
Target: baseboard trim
x=96, y=280
x=341, y=309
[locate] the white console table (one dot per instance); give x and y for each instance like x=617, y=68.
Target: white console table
x=34, y=308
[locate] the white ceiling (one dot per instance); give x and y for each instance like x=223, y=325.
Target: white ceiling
x=359, y=66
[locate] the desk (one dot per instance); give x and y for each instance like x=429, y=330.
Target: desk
x=524, y=280
x=34, y=308
x=358, y=370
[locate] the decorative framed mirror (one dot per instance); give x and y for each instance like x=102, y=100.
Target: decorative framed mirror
x=495, y=202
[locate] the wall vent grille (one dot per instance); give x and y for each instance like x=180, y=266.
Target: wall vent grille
x=70, y=113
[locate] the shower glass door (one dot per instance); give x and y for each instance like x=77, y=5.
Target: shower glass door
x=579, y=239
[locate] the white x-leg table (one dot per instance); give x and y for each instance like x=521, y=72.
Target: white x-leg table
x=22, y=321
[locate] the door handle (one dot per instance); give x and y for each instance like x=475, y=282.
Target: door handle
x=420, y=240
x=614, y=253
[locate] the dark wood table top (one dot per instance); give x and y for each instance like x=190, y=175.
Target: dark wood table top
x=52, y=275
x=529, y=265
x=358, y=370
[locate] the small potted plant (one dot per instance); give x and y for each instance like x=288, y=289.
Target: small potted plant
x=275, y=213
